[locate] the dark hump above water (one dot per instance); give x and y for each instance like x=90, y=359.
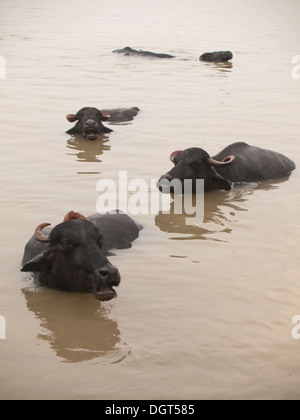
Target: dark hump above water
x=131, y=51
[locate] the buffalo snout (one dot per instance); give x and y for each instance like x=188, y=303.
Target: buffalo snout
x=90, y=124
x=165, y=178
x=106, y=278
x=163, y=184
x=91, y=129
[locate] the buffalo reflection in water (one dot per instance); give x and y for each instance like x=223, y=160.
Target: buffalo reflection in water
x=75, y=325
x=88, y=151
x=221, y=210
x=222, y=69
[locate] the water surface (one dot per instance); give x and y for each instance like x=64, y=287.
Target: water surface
x=202, y=311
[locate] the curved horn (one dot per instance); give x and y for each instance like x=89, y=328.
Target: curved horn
x=39, y=234
x=225, y=161
x=174, y=154
x=73, y=215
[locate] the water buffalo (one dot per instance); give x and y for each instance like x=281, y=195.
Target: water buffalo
x=237, y=163
x=216, y=56
x=89, y=120
x=131, y=51
x=71, y=256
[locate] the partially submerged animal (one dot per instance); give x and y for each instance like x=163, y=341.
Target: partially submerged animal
x=237, y=163
x=131, y=51
x=89, y=120
x=71, y=256
x=216, y=56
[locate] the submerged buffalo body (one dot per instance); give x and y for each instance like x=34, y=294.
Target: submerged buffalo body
x=71, y=256
x=216, y=56
x=131, y=51
x=237, y=163
x=89, y=120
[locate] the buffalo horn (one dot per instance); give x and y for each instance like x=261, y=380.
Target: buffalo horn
x=225, y=161
x=39, y=234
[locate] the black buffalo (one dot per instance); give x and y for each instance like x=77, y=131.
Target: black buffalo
x=216, y=56
x=131, y=51
x=237, y=163
x=89, y=120
x=71, y=256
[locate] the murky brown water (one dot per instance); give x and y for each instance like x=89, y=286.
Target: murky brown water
x=202, y=312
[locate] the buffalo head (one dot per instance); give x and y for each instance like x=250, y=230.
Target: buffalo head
x=194, y=163
x=89, y=123
x=217, y=56
x=71, y=258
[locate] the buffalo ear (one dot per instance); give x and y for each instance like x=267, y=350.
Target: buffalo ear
x=73, y=215
x=174, y=154
x=35, y=264
x=105, y=116
x=72, y=118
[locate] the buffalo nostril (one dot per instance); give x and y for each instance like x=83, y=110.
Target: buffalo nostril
x=109, y=274
x=90, y=123
x=104, y=273
x=166, y=177
x=164, y=181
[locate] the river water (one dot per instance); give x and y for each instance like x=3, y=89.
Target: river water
x=203, y=311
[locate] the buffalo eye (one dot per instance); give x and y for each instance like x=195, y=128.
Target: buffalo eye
x=67, y=245
x=196, y=166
